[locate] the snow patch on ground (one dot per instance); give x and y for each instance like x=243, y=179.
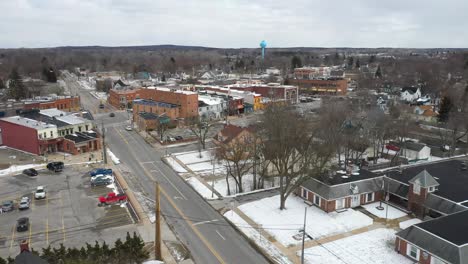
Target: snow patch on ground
x=373, y=247
x=408, y=223
x=153, y=262
x=201, y=189
x=19, y=168
x=393, y=213
x=194, y=157
x=86, y=85
x=284, y=224
x=175, y=165
x=113, y=157
x=99, y=95
x=207, y=168
x=254, y=235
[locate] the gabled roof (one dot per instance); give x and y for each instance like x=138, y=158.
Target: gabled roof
x=424, y=179
x=230, y=132
x=412, y=146
x=410, y=90
x=443, y=237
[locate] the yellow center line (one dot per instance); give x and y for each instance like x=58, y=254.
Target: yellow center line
x=47, y=221
x=12, y=236
x=30, y=233
x=190, y=224
x=61, y=214
x=120, y=134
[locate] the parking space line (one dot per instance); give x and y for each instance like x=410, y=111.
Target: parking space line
x=30, y=234
x=12, y=236
x=63, y=229
x=61, y=215
x=47, y=221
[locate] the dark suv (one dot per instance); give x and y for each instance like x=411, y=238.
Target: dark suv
x=22, y=224
x=56, y=166
x=30, y=172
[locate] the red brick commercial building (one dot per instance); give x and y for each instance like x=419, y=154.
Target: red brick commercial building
x=64, y=103
x=335, y=86
x=39, y=138
x=186, y=100
x=120, y=98
x=158, y=108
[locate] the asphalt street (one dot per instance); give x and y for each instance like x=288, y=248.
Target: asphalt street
x=207, y=235
x=201, y=228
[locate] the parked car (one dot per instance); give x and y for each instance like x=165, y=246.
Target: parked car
x=7, y=206
x=112, y=198
x=101, y=106
x=102, y=181
x=179, y=138
x=30, y=172
x=111, y=114
x=22, y=224
x=98, y=171
x=56, y=166
x=40, y=193
x=102, y=176
x=128, y=128
x=24, y=203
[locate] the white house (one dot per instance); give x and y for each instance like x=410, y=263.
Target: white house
x=410, y=94
x=211, y=107
x=415, y=151
x=273, y=71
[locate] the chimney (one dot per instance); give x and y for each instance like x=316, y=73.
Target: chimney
x=24, y=246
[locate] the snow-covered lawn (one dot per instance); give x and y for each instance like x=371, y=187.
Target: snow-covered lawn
x=194, y=157
x=19, y=168
x=408, y=223
x=113, y=157
x=284, y=224
x=253, y=234
x=393, y=213
x=175, y=165
x=373, y=247
x=247, y=183
x=207, y=168
x=201, y=189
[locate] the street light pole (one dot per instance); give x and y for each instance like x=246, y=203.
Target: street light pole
x=104, y=153
x=303, y=235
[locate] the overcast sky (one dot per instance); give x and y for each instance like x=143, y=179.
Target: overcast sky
x=234, y=23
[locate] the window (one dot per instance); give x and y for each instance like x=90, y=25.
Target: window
x=369, y=197
x=51, y=133
x=45, y=135
x=86, y=127
x=431, y=189
x=317, y=200
x=79, y=129
x=413, y=252
x=304, y=193
x=416, y=188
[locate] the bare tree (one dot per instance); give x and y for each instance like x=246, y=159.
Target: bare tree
x=291, y=148
x=237, y=157
x=199, y=129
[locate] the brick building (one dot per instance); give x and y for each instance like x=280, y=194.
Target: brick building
x=273, y=91
x=122, y=98
x=150, y=121
x=332, y=86
x=158, y=108
x=186, y=100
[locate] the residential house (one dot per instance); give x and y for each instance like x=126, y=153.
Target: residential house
x=424, y=113
x=211, y=107
x=410, y=94
x=428, y=190
x=438, y=241
x=340, y=190
x=415, y=151
x=231, y=134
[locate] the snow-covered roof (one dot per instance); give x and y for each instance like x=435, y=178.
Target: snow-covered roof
x=31, y=123
x=53, y=112
x=71, y=119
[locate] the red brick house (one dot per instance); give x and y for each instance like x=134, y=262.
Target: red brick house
x=438, y=241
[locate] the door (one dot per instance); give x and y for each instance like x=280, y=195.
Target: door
x=340, y=204
x=355, y=200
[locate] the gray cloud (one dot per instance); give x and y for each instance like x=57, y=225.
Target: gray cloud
x=234, y=23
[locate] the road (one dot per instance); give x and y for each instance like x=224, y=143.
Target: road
x=206, y=234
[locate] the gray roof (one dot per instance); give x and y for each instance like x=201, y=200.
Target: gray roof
x=331, y=192
x=396, y=187
x=424, y=179
x=443, y=237
x=412, y=146
x=442, y=205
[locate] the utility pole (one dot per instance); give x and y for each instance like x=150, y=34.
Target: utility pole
x=303, y=235
x=157, y=236
x=104, y=153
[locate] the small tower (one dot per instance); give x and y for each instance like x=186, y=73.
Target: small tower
x=263, y=45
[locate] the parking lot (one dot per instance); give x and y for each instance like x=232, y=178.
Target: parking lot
x=69, y=214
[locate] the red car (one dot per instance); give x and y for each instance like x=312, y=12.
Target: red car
x=392, y=147
x=112, y=198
